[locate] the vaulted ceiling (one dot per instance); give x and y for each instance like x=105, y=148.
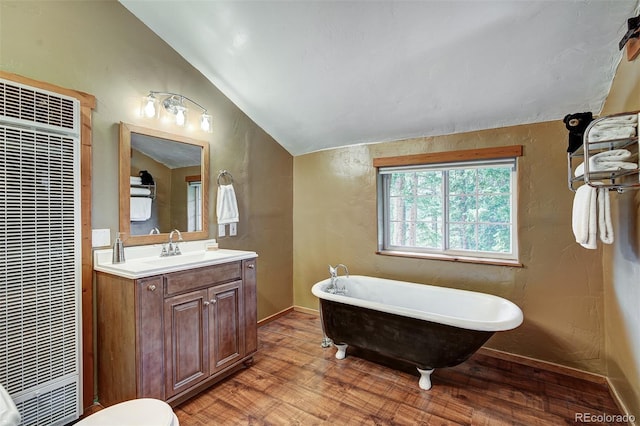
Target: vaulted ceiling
x=323, y=74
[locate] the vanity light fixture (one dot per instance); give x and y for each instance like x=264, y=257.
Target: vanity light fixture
x=174, y=103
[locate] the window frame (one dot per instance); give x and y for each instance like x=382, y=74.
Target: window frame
x=441, y=161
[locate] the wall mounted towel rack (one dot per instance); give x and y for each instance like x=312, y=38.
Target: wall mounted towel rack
x=615, y=180
x=224, y=175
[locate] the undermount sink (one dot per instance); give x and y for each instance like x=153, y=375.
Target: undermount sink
x=145, y=261
x=189, y=258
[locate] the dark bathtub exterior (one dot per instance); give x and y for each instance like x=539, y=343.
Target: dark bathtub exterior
x=424, y=344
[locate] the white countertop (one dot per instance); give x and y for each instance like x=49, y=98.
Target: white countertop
x=145, y=261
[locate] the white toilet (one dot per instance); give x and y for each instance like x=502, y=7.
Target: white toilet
x=137, y=412
x=9, y=415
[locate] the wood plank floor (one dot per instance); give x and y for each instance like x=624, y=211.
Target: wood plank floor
x=294, y=381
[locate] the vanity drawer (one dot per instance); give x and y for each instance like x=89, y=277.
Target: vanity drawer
x=179, y=282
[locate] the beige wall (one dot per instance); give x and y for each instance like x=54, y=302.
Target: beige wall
x=559, y=288
x=100, y=48
x=622, y=263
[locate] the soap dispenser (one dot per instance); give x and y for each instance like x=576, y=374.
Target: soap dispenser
x=118, y=251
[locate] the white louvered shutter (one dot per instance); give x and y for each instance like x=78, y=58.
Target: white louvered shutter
x=40, y=253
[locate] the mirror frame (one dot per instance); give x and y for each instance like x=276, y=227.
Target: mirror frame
x=125, y=185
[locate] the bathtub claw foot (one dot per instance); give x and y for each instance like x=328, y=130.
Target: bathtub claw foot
x=425, y=378
x=342, y=351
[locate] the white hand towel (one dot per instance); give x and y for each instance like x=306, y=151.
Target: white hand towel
x=604, y=216
x=226, y=205
x=135, y=180
x=140, y=209
x=584, y=222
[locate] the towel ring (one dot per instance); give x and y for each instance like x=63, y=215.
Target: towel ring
x=224, y=175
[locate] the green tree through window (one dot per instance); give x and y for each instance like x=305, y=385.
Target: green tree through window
x=453, y=208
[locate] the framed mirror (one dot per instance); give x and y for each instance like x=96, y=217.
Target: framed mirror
x=173, y=191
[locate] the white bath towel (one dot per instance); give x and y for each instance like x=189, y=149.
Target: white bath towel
x=620, y=120
x=606, y=134
x=584, y=222
x=608, y=161
x=226, y=205
x=604, y=216
x=608, y=125
x=140, y=191
x=135, y=180
x=140, y=209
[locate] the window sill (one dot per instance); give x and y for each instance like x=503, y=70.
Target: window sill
x=463, y=259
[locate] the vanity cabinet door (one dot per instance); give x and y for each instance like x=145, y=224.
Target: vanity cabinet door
x=249, y=270
x=226, y=320
x=186, y=323
x=150, y=338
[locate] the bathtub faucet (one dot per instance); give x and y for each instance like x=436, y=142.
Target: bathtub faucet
x=333, y=286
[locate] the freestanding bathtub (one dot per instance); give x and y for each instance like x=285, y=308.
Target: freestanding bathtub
x=422, y=325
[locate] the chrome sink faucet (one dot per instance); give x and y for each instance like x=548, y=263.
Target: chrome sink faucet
x=333, y=273
x=173, y=249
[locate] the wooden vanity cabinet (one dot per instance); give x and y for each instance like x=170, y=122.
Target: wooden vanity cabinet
x=226, y=341
x=186, y=344
x=172, y=335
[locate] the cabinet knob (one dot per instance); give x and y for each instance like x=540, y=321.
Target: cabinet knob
x=213, y=301
x=205, y=303
x=152, y=287
x=251, y=266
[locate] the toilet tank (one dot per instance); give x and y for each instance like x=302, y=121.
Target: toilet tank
x=9, y=415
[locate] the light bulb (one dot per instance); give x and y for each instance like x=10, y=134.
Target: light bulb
x=181, y=116
x=206, y=123
x=148, y=106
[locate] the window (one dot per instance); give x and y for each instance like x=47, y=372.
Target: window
x=194, y=206
x=452, y=209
